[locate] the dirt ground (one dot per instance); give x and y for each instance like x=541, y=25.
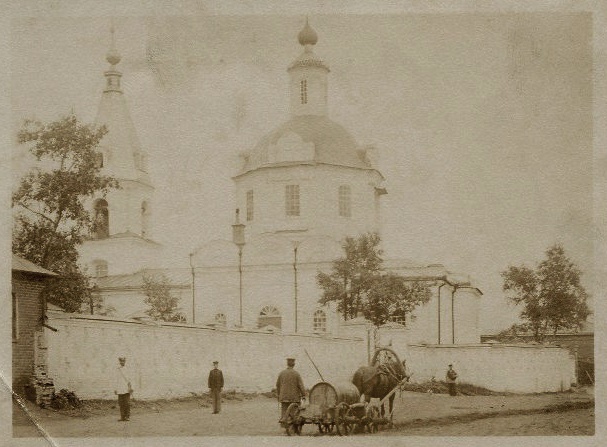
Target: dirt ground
x=416, y=414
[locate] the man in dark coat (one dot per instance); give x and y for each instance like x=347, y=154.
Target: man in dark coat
x=289, y=387
x=215, y=385
x=451, y=377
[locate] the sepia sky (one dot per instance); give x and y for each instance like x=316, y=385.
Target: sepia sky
x=483, y=122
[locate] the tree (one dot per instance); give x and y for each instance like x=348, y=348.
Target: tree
x=358, y=283
x=552, y=295
x=50, y=218
x=162, y=304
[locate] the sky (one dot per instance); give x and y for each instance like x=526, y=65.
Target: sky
x=483, y=122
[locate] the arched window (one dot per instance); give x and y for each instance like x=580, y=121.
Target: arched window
x=303, y=91
x=101, y=223
x=345, y=201
x=269, y=315
x=320, y=321
x=221, y=319
x=145, y=218
x=100, y=268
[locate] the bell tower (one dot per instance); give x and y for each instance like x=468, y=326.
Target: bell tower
x=124, y=214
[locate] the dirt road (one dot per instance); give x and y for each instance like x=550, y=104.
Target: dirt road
x=416, y=414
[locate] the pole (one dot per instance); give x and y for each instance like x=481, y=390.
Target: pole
x=439, y=287
x=240, y=280
x=295, y=281
x=453, y=314
x=315, y=367
x=193, y=290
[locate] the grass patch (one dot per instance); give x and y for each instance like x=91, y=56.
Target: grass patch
x=439, y=387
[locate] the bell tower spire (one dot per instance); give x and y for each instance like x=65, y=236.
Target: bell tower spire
x=113, y=76
x=308, y=73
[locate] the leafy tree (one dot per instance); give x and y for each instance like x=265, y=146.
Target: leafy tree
x=162, y=304
x=552, y=295
x=358, y=283
x=50, y=218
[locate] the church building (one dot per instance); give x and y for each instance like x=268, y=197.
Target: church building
x=299, y=192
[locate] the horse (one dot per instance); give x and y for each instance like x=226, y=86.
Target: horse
x=377, y=381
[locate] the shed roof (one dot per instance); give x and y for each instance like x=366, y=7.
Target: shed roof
x=20, y=264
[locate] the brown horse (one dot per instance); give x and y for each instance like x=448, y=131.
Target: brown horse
x=377, y=381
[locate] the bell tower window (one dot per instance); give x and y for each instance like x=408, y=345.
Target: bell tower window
x=303, y=91
x=292, y=200
x=145, y=218
x=101, y=223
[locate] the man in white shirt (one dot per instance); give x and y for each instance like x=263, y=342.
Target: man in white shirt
x=123, y=389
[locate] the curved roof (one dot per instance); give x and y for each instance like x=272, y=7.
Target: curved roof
x=331, y=144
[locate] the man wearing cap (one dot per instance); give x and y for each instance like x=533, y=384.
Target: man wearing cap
x=215, y=385
x=289, y=387
x=123, y=389
x=451, y=378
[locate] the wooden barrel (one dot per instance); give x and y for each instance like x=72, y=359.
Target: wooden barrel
x=326, y=395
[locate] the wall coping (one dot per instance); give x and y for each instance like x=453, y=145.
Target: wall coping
x=487, y=346
x=95, y=319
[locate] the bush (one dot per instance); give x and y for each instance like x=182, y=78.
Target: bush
x=65, y=399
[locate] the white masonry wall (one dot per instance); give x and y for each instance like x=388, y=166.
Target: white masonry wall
x=172, y=360
x=522, y=368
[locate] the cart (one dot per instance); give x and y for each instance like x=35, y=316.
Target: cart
x=333, y=406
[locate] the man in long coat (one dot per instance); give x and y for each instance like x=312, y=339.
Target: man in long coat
x=289, y=387
x=123, y=389
x=215, y=385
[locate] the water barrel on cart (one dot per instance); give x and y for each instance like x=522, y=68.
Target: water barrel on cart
x=326, y=395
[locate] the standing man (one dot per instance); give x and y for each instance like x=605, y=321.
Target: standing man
x=215, y=385
x=451, y=378
x=123, y=389
x=289, y=387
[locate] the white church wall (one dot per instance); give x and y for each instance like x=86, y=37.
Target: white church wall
x=503, y=368
x=172, y=360
x=319, y=205
x=123, y=255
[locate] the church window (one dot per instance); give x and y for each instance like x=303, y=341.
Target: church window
x=221, y=319
x=269, y=316
x=303, y=91
x=250, y=208
x=101, y=223
x=398, y=319
x=345, y=201
x=101, y=269
x=320, y=321
x=15, y=319
x=145, y=218
x=292, y=200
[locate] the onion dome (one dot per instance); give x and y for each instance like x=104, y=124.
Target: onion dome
x=307, y=36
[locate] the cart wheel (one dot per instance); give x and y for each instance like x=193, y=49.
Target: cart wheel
x=372, y=415
x=343, y=428
x=341, y=423
x=292, y=423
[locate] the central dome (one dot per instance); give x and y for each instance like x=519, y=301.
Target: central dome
x=323, y=140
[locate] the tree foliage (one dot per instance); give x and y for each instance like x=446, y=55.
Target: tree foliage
x=162, y=304
x=359, y=284
x=50, y=218
x=551, y=295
